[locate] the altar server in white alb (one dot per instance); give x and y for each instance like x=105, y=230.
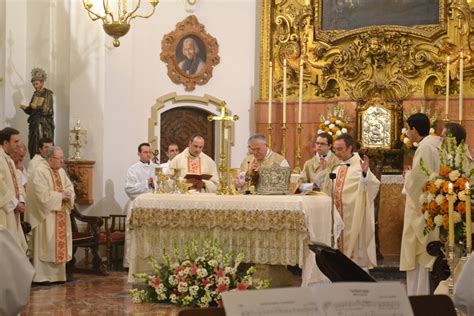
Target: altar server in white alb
x=49, y=200
x=141, y=176
x=354, y=190
x=193, y=161
x=413, y=257
x=173, y=151
x=12, y=193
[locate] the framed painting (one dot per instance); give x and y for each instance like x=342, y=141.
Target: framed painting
x=190, y=53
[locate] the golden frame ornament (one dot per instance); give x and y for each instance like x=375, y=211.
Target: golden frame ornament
x=190, y=53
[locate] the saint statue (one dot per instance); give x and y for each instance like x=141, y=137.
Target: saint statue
x=40, y=110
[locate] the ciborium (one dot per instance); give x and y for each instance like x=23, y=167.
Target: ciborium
x=77, y=138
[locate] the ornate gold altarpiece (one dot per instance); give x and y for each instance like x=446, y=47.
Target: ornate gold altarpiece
x=370, y=69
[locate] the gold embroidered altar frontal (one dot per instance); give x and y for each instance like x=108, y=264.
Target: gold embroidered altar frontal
x=267, y=229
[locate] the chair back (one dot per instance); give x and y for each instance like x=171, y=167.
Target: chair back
x=336, y=266
x=428, y=305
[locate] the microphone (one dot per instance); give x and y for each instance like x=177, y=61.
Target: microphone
x=332, y=175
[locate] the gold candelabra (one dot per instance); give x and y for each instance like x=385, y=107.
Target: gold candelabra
x=117, y=24
x=77, y=138
x=223, y=187
x=297, y=168
x=283, y=140
x=269, y=129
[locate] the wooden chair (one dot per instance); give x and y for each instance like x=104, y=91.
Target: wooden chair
x=211, y=311
x=88, y=239
x=113, y=238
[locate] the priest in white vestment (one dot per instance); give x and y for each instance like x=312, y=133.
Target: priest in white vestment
x=18, y=155
x=354, y=191
x=192, y=161
x=49, y=200
x=16, y=275
x=12, y=193
x=413, y=256
x=40, y=157
x=172, y=151
x=316, y=169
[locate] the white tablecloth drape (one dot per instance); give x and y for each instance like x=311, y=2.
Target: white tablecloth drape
x=267, y=229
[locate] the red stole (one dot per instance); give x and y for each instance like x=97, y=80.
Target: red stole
x=338, y=187
x=61, y=232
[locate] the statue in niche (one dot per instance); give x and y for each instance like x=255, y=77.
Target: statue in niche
x=40, y=111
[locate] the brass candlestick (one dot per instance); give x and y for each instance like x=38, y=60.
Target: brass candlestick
x=283, y=140
x=223, y=187
x=297, y=168
x=269, y=129
x=77, y=138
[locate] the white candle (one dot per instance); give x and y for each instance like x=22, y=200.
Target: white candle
x=447, y=88
x=300, y=100
x=270, y=90
x=284, y=91
x=468, y=217
x=450, y=215
x=461, y=78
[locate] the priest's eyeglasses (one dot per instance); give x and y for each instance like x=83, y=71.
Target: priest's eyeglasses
x=321, y=144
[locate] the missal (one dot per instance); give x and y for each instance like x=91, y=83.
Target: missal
x=198, y=176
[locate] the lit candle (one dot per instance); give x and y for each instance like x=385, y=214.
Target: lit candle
x=300, y=101
x=468, y=217
x=447, y=89
x=284, y=91
x=461, y=78
x=451, y=214
x=270, y=90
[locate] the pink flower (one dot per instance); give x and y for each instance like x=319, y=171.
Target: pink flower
x=219, y=273
x=242, y=286
x=222, y=288
x=155, y=282
x=205, y=282
x=193, y=269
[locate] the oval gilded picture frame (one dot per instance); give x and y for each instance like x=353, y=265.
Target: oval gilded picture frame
x=190, y=53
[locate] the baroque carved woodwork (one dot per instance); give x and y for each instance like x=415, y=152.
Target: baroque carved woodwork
x=81, y=174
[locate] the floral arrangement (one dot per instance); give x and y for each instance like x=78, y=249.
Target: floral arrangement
x=335, y=123
x=435, y=191
x=407, y=144
x=197, y=280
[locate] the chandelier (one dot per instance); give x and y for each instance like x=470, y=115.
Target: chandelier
x=116, y=24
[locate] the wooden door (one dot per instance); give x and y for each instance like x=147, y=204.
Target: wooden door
x=178, y=124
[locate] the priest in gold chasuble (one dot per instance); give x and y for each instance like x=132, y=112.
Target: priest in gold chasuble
x=49, y=199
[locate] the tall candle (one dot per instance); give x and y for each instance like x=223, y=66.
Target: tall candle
x=447, y=89
x=300, y=100
x=461, y=78
x=270, y=90
x=468, y=217
x=450, y=215
x=284, y=91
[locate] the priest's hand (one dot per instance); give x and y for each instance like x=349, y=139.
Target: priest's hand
x=20, y=208
x=197, y=183
x=253, y=167
x=67, y=195
x=364, y=164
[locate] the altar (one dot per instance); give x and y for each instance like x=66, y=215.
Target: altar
x=272, y=230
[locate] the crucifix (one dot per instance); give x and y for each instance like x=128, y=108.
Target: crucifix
x=223, y=188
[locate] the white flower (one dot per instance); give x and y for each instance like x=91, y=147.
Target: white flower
x=438, y=220
x=187, y=300
x=406, y=140
x=202, y=273
x=415, y=144
x=212, y=263
x=338, y=122
x=457, y=217
x=462, y=195
x=229, y=270
x=404, y=130
x=182, y=287
x=439, y=199
x=344, y=130
x=427, y=215
x=429, y=197
x=186, y=271
x=186, y=263
x=432, y=131
x=320, y=131
x=173, y=298
x=327, y=122
x=454, y=175
x=193, y=290
x=330, y=133
x=338, y=133
x=173, y=279
x=174, y=266
x=438, y=182
x=331, y=126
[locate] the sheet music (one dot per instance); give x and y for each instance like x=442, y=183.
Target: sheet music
x=358, y=299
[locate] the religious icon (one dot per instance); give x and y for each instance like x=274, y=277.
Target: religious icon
x=190, y=53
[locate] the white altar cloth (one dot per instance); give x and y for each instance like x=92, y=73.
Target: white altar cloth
x=267, y=229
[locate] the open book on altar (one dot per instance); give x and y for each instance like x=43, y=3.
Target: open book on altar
x=198, y=176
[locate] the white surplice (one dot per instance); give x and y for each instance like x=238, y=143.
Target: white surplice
x=312, y=174
x=357, y=203
x=48, y=215
x=206, y=164
x=413, y=256
x=16, y=274
x=11, y=193
x=37, y=160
